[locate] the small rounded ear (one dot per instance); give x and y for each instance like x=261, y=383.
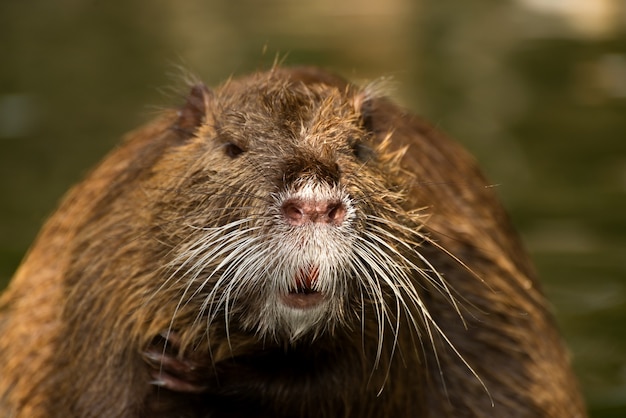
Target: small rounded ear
x=369, y=102
x=194, y=112
x=362, y=103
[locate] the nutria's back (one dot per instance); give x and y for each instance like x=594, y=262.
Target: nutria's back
x=285, y=245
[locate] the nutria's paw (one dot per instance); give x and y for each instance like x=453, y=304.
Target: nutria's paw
x=171, y=371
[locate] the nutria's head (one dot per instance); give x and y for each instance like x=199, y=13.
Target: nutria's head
x=284, y=215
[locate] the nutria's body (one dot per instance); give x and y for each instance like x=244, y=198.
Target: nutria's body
x=288, y=245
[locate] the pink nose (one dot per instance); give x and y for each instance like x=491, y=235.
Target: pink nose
x=300, y=212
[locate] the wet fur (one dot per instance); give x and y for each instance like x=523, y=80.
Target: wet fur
x=434, y=309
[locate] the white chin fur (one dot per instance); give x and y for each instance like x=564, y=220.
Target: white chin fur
x=293, y=323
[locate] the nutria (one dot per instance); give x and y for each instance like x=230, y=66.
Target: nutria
x=286, y=245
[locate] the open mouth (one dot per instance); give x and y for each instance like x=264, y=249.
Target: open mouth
x=303, y=294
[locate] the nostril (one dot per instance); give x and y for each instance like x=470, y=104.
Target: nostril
x=293, y=212
x=336, y=213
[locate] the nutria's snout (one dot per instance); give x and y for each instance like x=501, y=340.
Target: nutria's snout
x=302, y=211
x=309, y=214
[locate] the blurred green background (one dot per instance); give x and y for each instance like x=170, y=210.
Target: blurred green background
x=536, y=89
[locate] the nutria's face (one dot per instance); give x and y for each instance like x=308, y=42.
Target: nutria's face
x=292, y=220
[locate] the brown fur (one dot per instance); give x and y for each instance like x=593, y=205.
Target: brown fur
x=92, y=294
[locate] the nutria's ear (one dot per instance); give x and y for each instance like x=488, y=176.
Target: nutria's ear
x=363, y=104
x=194, y=112
x=371, y=103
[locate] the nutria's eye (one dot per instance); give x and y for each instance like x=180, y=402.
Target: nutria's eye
x=362, y=151
x=232, y=150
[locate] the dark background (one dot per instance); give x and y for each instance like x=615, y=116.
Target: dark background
x=535, y=90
